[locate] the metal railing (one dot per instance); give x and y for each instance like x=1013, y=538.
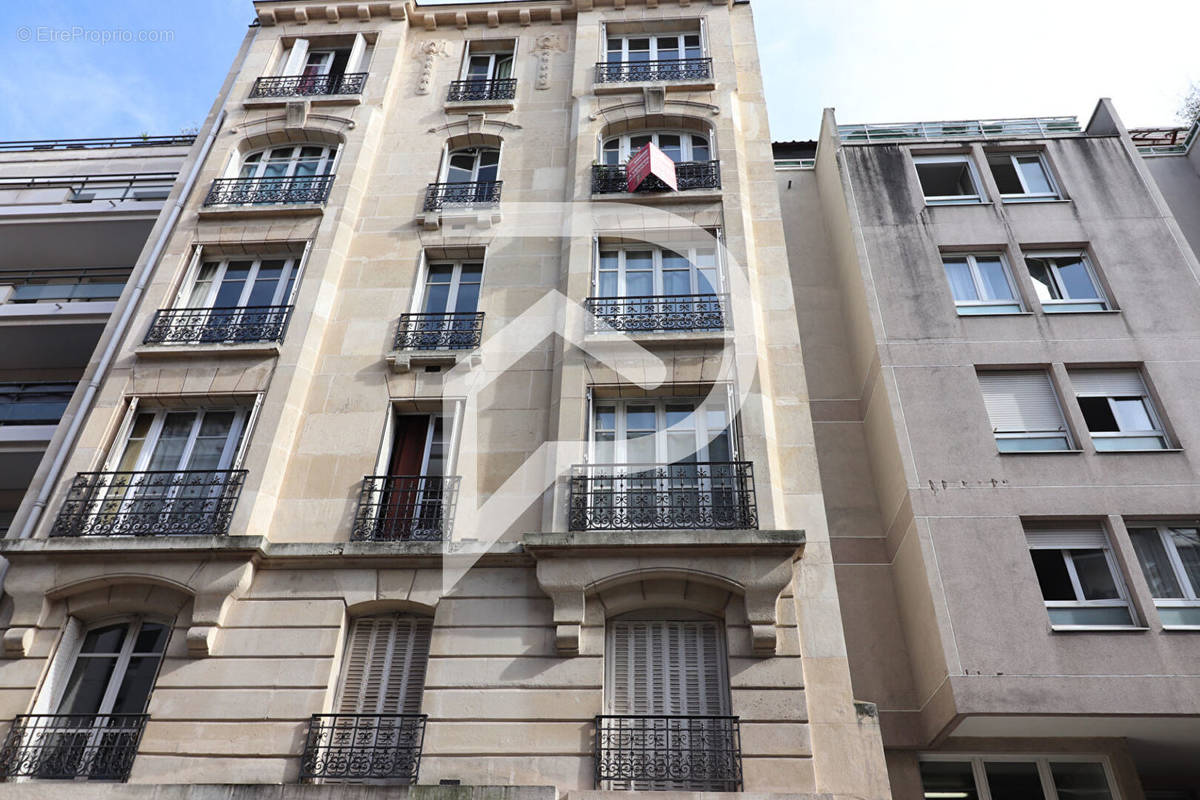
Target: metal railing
x=363, y=747
x=87, y=188
x=1030, y=127
x=401, y=508
x=686, y=753
x=478, y=193
x=74, y=285
x=159, y=503
x=610, y=179
x=308, y=85
x=34, y=403
x=261, y=191
x=103, y=142
x=684, y=496
x=452, y=331
x=214, y=325
x=71, y=746
x=1172, y=149
x=795, y=163
x=685, y=312
x=495, y=89
x=675, y=69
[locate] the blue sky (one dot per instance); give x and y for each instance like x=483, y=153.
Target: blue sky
x=875, y=60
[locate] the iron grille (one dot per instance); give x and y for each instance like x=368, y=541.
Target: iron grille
x=453, y=331
x=309, y=85
x=480, y=193
x=688, y=495
x=364, y=747
x=685, y=312
x=263, y=191
x=69, y=746
x=401, y=508
x=610, y=179
x=162, y=503
x=499, y=89
x=213, y=325
x=675, y=69
x=687, y=753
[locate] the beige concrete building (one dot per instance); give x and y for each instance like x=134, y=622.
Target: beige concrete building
x=429, y=454
x=999, y=326
x=74, y=216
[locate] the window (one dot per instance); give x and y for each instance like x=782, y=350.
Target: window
x=1022, y=176
x=1065, y=282
x=34, y=403
x=1024, y=411
x=1015, y=778
x=1079, y=578
x=292, y=161
x=303, y=59
x=1117, y=409
x=486, y=66
x=980, y=284
x=183, y=440
x=384, y=670
x=242, y=283
x=412, y=499
x=1170, y=559
x=680, y=146
x=948, y=179
x=661, y=47
x=645, y=271
x=665, y=431
x=452, y=287
x=473, y=165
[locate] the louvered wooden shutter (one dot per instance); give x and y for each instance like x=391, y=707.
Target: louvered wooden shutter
x=1108, y=382
x=1020, y=402
x=667, y=667
x=385, y=665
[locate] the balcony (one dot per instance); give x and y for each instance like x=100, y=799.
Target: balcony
x=659, y=314
x=678, y=69
x=363, y=747
x=163, y=503
x=681, y=753
x=610, y=179
x=478, y=194
x=453, y=331
x=684, y=496
x=308, y=85
x=41, y=190
x=1026, y=128
x=245, y=325
x=405, y=508
x=478, y=91
x=308, y=189
x=97, y=747
x=34, y=403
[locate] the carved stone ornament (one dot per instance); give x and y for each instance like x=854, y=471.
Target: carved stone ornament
x=544, y=46
x=428, y=53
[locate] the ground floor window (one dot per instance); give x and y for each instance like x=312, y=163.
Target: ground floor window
x=1025, y=777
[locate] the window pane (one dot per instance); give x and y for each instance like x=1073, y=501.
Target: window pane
x=1076, y=281
x=1043, y=279
x=993, y=278
x=639, y=418
x=958, y=272
x=1090, y=615
x=87, y=684
x=152, y=638
x=1080, y=781
x=1187, y=544
x=951, y=179
x=700, y=151
x=1052, y=575
x=1014, y=781
x=1131, y=414
x=104, y=640
x=1005, y=174
x=948, y=779
x=1095, y=578
x=172, y=440
x=1098, y=414
x=136, y=685
x=1035, y=175
x=1155, y=565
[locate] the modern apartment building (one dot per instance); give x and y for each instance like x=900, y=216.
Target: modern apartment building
x=74, y=216
x=999, y=321
x=429, y=453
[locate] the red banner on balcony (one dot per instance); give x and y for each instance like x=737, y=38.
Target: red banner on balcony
x=650, y=161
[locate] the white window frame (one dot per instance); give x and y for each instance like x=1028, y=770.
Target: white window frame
x=419, y=296
x=1191, y=594
x=228, y=454
x=326, y=164
x=444, y=172
x=494, y=60
x=625, y=149
x=292, y=266
x=1063, y=306
x=1026, y=196
x=703, y=436
x=976, y=278
x=950, y=199
x=690, y=252
x=1158, y=431
x=978, y=763
x=1121, y=601
x=653, y=37
x=134, y=623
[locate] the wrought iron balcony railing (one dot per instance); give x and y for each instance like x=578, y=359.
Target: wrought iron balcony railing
x=683, y=753
x=309, y=85
x=402, y=508
x=264, y=191
x=498, y=89
x=688, y=495
x=363, y=747
x=453, y=331
x=610, y=179
x=478, y=193
x=71, y=746
x=676, y=69
x=684, y=312
x=163, y=503
x=215, y=325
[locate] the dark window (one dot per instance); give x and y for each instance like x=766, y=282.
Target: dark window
x=948, y=779
x=1014, y=781
x=1052, y=575
x=947, y=179
x=1098, y=413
